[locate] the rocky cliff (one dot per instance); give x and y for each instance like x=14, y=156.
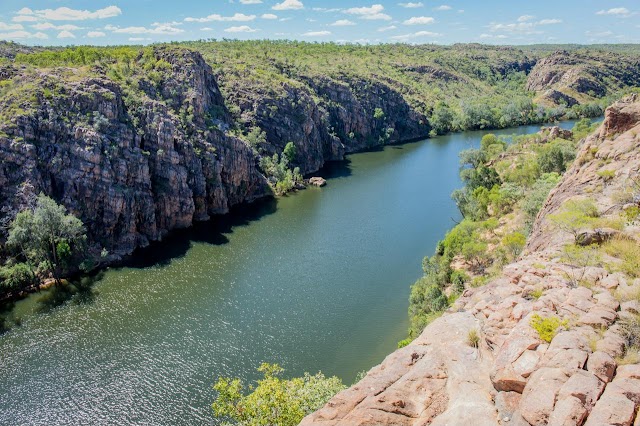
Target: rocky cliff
x=575, y=77
x=133, y=157
x=587, y=374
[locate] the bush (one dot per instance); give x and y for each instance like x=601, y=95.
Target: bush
x=17, y=277
x=273, y=401
x=547, y=328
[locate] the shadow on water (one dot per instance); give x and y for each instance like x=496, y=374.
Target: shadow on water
x=177, y=243
x=335, y=169
x=79, y=292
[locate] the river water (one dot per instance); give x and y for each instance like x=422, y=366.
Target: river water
x=318, y=280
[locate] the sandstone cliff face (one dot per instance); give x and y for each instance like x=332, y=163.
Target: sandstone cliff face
x=513, y=377
x=131, y=167
x=571, y=77
x=326, y=118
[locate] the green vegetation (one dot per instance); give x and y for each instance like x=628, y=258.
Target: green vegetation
x=273, y=400
x=43, y=242
x=547, y=328
x=473, y=338
x=505, y=186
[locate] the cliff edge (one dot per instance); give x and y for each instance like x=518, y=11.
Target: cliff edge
x=584, y=375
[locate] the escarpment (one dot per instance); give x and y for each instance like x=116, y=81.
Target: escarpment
x=135, y=155
x=514, y=374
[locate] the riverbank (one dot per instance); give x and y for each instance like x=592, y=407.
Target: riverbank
x=553, y=338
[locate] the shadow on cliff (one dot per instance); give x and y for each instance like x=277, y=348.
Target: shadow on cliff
x=176, y=244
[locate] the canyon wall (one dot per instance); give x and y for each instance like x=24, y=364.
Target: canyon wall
x=512, y=376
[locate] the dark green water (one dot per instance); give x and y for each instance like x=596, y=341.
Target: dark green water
x=315, y=281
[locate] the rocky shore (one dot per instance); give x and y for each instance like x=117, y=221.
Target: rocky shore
x=586, y=374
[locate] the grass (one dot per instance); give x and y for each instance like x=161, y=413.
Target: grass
x=473, y=338
x=628, y=251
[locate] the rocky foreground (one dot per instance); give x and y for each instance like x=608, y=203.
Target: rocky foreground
x=513, y=377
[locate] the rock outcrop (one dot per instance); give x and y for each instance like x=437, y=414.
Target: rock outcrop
x=512, y=376
x=563, y=76
x=132, y=161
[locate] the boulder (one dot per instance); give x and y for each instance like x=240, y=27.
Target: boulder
x=317, y=181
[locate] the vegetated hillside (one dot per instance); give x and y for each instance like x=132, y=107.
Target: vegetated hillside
x=138, y=141
x=552, y=339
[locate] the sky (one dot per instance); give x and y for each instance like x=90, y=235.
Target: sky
x=105, y=22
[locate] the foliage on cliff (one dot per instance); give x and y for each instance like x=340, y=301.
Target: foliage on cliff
x=506, y=183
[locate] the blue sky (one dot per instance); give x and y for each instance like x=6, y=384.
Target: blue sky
x=64, y=22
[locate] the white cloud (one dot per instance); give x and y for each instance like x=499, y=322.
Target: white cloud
x=342, y=23
x=66, y=34
x=416, y=35
x=289, y=5
x=616, y=11
x=419, y=20
x=157, y=30
x=65, y=14
x=238, y=17
x=372, y=13
x=443, y=7
x=14, y=35
x=525, y=18
x=550, y=21
x=269, y=16
x=95, y=34
x=50, y=26
x=139, y=38
x=240, y=29
x=316, y=33
x=389, y=28
x=411, y=5
x=10, y=27
x=498, y=36
x=250, y=1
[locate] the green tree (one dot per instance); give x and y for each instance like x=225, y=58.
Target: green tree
x=46, y=236
x=378, y=114
x=290, y=152
x=274, y=400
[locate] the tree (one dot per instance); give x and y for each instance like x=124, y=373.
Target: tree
x=47, y=236
x=273, y=401
x=290, y=151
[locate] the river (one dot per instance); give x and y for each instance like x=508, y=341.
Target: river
x=318, y=280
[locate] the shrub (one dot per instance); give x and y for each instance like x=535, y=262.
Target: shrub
x=547, y=328
x=514, y=243
x=575, y=215
x=273, y=401
x=404, y=342
x=630, y=332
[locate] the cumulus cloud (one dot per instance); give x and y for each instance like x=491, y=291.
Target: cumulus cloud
x=240, y=29
x=269, y=16
x=250, y=1
x=342, y=23
x=316, y=33
x=443, y=7
x=372, y=13
x=18, y=35
x=158, y=29
x=419, y=20
x=388, y=28
x=525, y=18
x=289, y=5
x=50, y=26
x=237, y=17
x=549, y=21
x=525, y=25
x=95, y=34
x=66, y=34
x=616, y=11
x=65, y=14
x=411, y=5
x=10, y=27
x=416, y=35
